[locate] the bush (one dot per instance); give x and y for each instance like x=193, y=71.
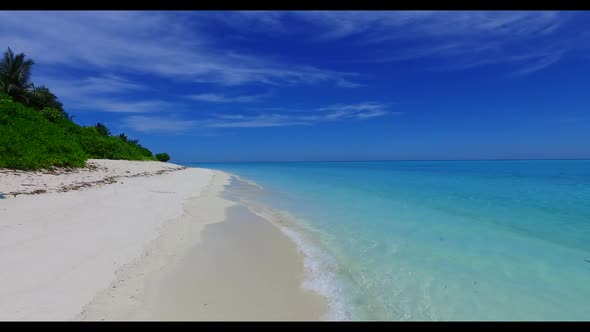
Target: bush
x=109, y=147
x=162, y=157
x=30, y=139
x=52, y=114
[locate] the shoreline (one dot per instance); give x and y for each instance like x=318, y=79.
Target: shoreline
x=321, y=268
x=126, y=280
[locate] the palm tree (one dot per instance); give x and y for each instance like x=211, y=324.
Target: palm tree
x=15, y=73
x=41, y=97
x=124, y=137
x=102, y=129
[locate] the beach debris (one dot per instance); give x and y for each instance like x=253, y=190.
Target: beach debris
x=75, y=186
x=587, y=260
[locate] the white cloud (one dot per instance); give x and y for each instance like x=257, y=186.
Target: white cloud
x=288, y=118
x=371, y=114
x=257, y=121
x=158, y=43
x=82, y=88
x=220, y=98
x=361, y=110
x=152, y=124
x=338, y=112
x=114, y=106
x=383, y=25
x=467, y=39
x=107, y=93
x=540, y=64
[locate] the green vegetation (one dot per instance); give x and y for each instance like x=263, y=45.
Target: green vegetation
x=164, y=157
x=102, y=129
x=35, y=131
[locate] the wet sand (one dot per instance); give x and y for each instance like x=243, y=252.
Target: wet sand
x=216, y=262
x=244, y=269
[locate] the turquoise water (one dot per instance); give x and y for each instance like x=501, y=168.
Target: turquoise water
x=439, y=240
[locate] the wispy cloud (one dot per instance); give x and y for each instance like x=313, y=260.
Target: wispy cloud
x=385, y=25
x=337, y=112
x=524, y=63
x=467, y=39
x=155, y=124
x=76, y=88
x=117, y=106
x=162, y=44
x=287, y=118
x=258, y=121
x=478, y=38
x=221, y=98
x=372, y=114
x=108, y=93
x=541, y=63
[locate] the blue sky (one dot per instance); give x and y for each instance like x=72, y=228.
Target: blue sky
x=277, y=86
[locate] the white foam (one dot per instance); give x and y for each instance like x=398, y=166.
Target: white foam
x=321, y=273
x=321, y=267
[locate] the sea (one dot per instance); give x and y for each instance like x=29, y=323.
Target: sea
x=433, y=240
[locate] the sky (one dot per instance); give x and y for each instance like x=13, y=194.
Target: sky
x=305, y=85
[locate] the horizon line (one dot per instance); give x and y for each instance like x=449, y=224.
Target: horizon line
x=381, y=160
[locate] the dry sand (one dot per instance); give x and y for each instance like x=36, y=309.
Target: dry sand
x=96, y=172
x=165, y=247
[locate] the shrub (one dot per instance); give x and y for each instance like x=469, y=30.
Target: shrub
x=52, y=114
x=29, y=141
x=164, y=157
x=109, y=147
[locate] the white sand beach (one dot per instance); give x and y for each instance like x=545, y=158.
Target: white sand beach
x=124, y=240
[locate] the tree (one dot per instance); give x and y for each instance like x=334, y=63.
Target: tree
x=15, y=74
x=123, y=137
x=102, y=129
x=164, y=157
x=41, y=97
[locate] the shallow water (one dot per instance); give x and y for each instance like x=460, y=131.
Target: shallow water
x=437, y=240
